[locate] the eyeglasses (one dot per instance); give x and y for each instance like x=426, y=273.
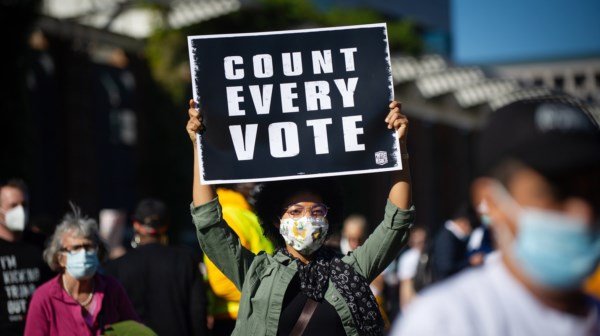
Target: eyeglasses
x=76, y=248
x=297, y=210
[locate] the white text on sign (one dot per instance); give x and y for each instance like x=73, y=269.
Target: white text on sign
x=283, y=136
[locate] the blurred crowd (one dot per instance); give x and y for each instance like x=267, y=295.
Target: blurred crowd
x=518, y=258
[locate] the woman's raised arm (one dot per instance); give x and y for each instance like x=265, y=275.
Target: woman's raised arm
x=400, y=192
x=217, y=240
x=201, y=193
x=384, y=244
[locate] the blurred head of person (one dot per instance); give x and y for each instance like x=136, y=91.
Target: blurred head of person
x=540, y=159
x=418, y=237
x=150, y=222
x=483, y=213
x=464, y=221
x=75, y=247
x=112, y=227
x=353, y=233
x=13, y=209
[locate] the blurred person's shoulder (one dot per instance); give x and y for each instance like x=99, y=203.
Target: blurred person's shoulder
x=451, y=307
x=110, y=285
x=107, y=280
x=458, y=290
x=176, y=255
x=19, y=247
x=186, y=252
x=153, y=253
x=126, y=264
x=124, y=259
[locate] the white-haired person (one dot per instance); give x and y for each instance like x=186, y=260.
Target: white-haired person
x=79, y=300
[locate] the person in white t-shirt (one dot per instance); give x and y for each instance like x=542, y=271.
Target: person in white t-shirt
x=541, y=182
x=408, y=263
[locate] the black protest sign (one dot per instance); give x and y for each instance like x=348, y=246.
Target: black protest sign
x=294, y=104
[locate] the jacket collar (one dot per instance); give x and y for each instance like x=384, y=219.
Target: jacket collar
x=285, y=260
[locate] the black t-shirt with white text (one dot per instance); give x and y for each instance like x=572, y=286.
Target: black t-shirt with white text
x=23, y=270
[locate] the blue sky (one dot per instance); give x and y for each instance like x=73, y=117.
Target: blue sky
x=485, y=31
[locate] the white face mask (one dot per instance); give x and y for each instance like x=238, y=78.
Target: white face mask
x=304, y=234
x=14, y=219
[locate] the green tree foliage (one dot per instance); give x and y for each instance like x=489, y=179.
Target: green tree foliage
x=402, y=35
x=166, y=51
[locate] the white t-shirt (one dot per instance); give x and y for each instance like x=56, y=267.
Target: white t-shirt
x=475, y=239
x=488, y=301
x=407, y=265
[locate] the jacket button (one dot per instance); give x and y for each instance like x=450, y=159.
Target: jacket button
x=335, y=298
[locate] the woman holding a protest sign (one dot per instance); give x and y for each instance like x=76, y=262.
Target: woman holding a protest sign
x=304, y=288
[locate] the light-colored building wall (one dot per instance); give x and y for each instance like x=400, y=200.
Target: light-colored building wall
x=580, y=77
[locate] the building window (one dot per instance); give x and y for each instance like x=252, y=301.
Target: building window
x=579, y=80
x=559, y=82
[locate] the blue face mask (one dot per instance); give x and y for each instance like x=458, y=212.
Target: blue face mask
x=82, y=264
x=556, y=250
x=485, y=219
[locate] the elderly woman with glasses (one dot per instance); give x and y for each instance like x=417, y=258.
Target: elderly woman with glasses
x=304, y=288
x=78, y=301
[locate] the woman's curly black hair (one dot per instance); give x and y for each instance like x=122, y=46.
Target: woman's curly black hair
x=272, y=196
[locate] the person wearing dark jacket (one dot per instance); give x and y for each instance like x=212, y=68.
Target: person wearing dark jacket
x=163, y=282
x=450, y=245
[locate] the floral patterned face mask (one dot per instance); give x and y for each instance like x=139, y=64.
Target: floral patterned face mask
x=304, y=234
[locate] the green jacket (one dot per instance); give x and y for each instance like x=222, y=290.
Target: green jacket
x=263, y=278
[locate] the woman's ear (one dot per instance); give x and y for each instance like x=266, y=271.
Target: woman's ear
x=62, y=260
x=501, y=207
x=137, y=227
x=483, y=190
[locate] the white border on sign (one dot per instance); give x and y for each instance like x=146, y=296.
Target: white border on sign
x=292, y=177
x=194, y=67
x=292, y=31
